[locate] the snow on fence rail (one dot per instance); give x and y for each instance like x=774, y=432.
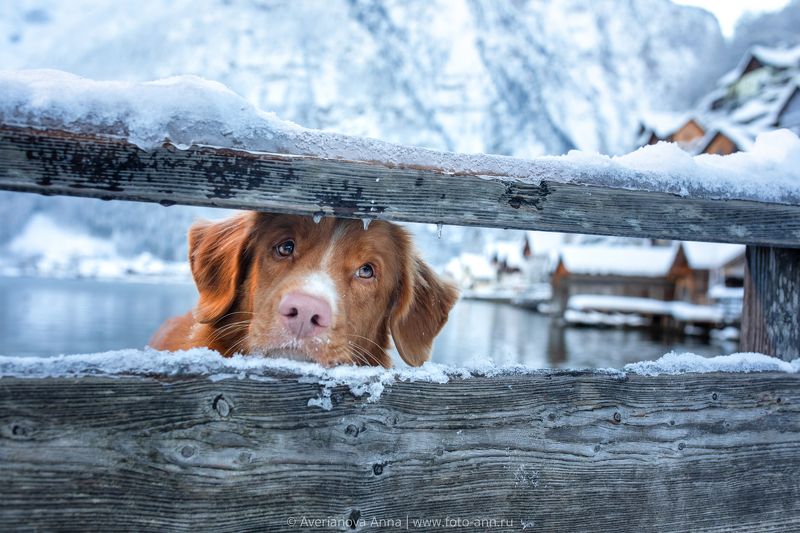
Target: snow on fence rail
x=145, y=443
x=189, y=141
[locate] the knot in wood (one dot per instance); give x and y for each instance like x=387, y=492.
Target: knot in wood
x=353, y=518
x=221, y=406
x=19, y=431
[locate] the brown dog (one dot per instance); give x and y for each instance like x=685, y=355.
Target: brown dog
x=330, y=292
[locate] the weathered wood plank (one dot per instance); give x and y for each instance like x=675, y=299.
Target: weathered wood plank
x=771, y=313
x=49, y=162
x=548, y=452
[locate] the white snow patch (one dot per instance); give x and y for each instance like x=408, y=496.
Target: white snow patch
x=188, y=110
x=629, y=304
x=468, y=267
x=675, y=363
x=721, y=292
x=598, y=260
x=708, y=256
x=361, y=381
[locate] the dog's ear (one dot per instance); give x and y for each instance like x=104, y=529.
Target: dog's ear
x=217, y=256
x=420, y=310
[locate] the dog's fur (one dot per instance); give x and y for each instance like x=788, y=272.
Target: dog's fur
x=242, y=279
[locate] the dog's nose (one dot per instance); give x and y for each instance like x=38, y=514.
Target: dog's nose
x=305, y=315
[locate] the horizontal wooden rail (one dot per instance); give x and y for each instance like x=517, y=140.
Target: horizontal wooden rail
x=555, y=451
x=52, y=162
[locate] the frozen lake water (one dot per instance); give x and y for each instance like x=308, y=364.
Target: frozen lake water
x=43, y=317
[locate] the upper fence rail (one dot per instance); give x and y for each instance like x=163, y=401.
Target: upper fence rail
x=559, y=196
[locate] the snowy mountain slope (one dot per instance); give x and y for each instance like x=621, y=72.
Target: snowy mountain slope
x=506, y=76
x=510, y=77
x=775, y=29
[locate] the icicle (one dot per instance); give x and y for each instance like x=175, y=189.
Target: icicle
x=318, y=217
x=366, y=222
x=439, y=230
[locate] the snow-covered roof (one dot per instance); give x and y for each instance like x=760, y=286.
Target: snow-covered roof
x=470, y=266
x=740, y=136
x=645, y=261
x=777, y=57
x=773, y=57
x=732, y=75
x=664, y=123
x=751, y=110
x=600, y=260
x=783, y=100
x=708, y=256
x=188, y=110
x=743, y=115
x=510, y=251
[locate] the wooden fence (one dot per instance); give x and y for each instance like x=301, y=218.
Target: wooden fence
x=548, y=451
x=557, y=451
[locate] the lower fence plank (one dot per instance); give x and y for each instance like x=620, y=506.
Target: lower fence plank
x=545, y=452
x=771, y=313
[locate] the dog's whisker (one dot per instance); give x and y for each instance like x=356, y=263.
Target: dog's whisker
x=362, y=355
x=224, y=330
x=381, y=348
x=223, y=317
x=233, y=324
x=233, y=349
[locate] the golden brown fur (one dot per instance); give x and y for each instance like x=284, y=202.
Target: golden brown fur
x=241, y=279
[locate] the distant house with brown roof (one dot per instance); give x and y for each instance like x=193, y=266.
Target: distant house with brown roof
x=762, y=93
x=710, y=265
x=721, y=144
x=686, y=134
x=669, y=127
x=762, y=59
x=636, y=271
x=685, y=271
x=724, y=140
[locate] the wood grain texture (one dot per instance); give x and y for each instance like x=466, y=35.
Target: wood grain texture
x=771, y=312
x=555, y=451
x=50, y=162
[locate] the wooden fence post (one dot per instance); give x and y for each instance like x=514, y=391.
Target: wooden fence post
x=771, y=314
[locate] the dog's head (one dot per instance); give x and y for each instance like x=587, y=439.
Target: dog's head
x=330, y=292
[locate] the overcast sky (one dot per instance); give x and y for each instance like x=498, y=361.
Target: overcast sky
x=729, y=11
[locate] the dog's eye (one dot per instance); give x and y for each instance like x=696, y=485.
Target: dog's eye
x=285, y=249
x=365, y=271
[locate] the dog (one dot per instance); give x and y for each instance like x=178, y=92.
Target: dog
x=331, y=291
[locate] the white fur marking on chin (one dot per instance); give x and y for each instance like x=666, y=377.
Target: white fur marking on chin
x=320, y=284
